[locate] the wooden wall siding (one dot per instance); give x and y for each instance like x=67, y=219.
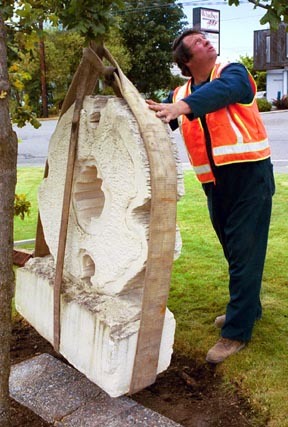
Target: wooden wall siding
x=278, y=57
x=260, y=49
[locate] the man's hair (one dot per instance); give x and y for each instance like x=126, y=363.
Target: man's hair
x=181, y=53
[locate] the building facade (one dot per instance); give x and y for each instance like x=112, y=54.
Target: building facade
x=271, y=55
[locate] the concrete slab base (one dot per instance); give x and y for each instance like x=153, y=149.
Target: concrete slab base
x=64, y=397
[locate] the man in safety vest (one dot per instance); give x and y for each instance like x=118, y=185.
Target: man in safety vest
x=228, y=147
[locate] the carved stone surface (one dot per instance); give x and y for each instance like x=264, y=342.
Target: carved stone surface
x=106, y=248
x=109, y=217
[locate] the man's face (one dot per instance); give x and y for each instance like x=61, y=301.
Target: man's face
x=200, y=48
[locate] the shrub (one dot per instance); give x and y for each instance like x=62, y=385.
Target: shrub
x=263, y=104
x=282, y=103
x=21, y=206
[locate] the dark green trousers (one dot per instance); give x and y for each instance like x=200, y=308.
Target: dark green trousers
x=240, y=209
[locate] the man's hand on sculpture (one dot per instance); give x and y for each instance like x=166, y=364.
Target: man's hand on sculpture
x=167, y=112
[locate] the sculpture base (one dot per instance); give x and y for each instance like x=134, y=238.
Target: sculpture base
x=98, y=332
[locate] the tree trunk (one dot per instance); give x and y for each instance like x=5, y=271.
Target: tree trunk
x=8, y=164
x=44, y=95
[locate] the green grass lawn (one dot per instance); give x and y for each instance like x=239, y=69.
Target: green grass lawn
x=28, y=180
x=199, y=293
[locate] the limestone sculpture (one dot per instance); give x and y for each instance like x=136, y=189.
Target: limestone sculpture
x=106, y=249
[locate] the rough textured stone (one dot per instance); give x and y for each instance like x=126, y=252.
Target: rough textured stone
x=91, y=416
x=50, y=388
x=109, y=215
x=98, y=332
x=106, y=247
x=61, y=395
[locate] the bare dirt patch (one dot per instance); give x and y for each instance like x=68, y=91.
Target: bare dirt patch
x=187, y=393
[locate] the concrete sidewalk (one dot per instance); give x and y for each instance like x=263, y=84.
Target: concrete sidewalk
x=64, y=397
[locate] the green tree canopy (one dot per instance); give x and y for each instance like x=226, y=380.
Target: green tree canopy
x=74, y=25
x=275, y=11
x=91, y=19
x=63, y=52
x=259, y=76
x=148, y=29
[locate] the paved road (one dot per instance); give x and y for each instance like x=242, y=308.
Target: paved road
x=33, y=143
x=276, y=125
x=33, y=146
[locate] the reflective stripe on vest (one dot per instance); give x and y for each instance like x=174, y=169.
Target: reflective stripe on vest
x=203, y=172
x=242, y=148
x=179, y=93
x=202, y=169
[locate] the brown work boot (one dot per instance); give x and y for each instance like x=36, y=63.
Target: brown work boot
x=219, y=321
x=223, y=349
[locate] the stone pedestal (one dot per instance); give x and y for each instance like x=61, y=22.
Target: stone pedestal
x=98, y=332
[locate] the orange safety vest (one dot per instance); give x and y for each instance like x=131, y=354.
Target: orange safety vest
x=237, y=133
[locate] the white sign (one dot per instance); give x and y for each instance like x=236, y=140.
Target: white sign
x=214, y=40
x=209, y=20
